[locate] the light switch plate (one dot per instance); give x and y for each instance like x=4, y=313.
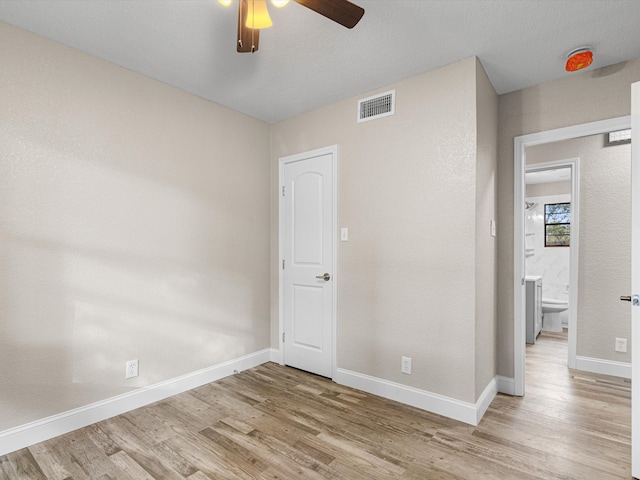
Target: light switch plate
x=344, y=234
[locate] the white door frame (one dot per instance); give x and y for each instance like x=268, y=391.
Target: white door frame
x=635, y=280
x=574, y=164
x=333, y=150
x=520, y=144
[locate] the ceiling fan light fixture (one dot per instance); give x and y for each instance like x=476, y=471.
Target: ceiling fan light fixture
x=578, y=59
x=253, y=15
x=258, y=15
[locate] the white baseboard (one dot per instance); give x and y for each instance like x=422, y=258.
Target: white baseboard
x=506, y=385
x=275, y=356
x=41, y=430
x=605, y=367
x=432, y=402
x=485, y=399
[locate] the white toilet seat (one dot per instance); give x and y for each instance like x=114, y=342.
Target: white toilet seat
x=551, y=309
x=550, y=305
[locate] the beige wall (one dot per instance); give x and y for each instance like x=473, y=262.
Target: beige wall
x=604, y=247
x=584, y=97
x=547, y=189
x=133, y=224
x=486, y=245
x=407, y=193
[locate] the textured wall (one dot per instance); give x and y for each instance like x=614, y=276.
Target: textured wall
x=407, y=192
x=546, y=189
x=133, y=224
x=486, y=245
x=604, y=249
x=585, y=97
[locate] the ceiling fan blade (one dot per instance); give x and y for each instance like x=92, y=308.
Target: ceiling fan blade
x=247, y=41
x=340, y=11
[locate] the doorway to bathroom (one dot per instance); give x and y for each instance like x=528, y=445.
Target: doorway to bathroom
x=552, y=226
x=595, y=288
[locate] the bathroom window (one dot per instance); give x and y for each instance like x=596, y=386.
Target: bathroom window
x=557, y=224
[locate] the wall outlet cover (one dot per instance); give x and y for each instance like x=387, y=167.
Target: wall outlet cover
x=406, y=365
x=621, y=345
x=132, y=369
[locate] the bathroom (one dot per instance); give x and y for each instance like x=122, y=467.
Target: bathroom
x=548, y=248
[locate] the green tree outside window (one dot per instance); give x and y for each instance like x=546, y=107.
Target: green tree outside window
x=557, y=224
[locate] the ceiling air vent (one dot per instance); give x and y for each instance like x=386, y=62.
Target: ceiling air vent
x=378, y=106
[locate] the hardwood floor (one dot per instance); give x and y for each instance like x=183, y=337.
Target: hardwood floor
x=274, y=422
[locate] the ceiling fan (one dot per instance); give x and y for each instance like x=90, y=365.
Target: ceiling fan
x=253, y=16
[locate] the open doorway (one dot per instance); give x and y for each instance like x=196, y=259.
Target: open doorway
x=522, y=146
x=551, y=246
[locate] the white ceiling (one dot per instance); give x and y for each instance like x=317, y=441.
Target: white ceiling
x=306, y=61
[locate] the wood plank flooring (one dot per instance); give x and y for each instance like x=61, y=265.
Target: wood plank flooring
x=274, y=422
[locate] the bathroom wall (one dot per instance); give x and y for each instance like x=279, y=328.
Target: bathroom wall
x=134, y=223
x=551, y=188
x=578, y=98
x=551, y=263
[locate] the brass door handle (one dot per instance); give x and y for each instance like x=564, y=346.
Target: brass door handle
x=326, y=277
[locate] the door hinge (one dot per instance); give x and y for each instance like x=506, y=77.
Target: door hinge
x=283, y=190
x=282, y=337
x=283, y=264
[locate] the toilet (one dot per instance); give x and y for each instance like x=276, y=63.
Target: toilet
x=551, y=309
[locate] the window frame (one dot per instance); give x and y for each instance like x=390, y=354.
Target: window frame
x=554, y=224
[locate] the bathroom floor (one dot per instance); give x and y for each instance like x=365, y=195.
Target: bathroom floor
x=563, y=335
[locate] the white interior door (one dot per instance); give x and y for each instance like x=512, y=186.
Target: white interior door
x=308, y=270
x=635, y=279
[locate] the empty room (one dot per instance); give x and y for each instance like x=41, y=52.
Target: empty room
x=365, y=239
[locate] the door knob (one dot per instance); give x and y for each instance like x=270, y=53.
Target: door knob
x=326, y=277
x=625, y=298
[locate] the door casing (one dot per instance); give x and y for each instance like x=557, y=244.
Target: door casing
x=333, y=151
x=519, y=167
x=635, y=279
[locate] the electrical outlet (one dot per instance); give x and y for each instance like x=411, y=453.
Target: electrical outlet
x=621, y=345
x=406, y=365
x=132, y=368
